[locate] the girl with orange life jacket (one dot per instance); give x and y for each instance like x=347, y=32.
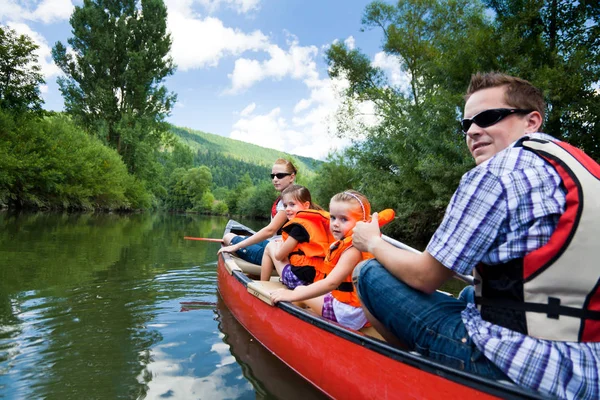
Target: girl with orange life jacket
x=300, y=255
x=251, y=248
x=334, y=296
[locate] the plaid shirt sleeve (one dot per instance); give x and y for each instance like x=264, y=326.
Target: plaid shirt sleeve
x=472, y=222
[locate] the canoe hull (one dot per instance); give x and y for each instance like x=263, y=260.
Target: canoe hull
x=342, y=363
x=339, y=368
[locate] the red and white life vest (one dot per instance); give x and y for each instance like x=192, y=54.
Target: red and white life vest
x=554, y=292
x=274, y=207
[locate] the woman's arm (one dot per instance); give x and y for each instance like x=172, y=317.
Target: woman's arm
x=343, y=268
x=265, y=233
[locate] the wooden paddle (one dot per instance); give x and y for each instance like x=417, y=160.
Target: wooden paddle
x=465, y=278
x=204, y=239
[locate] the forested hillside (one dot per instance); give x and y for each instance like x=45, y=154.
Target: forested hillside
x=229, y=158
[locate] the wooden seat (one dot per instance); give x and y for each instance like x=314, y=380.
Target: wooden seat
x=263, y=289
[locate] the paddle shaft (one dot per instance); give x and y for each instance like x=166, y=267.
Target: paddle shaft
x=204, y=239
x=465, y=278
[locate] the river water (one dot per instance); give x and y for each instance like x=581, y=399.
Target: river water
x=109, y=306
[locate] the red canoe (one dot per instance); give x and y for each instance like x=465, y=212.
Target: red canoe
x=342, y=363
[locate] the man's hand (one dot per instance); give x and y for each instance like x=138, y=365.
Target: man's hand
x=366, y=234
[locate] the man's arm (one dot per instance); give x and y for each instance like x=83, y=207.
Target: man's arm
x=419, y=271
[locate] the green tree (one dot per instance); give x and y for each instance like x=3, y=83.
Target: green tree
x=556, y=45
x=256, y=201
x=197, y=182
x=232, y=199
x=20, y=75
x=413, y=159
x=336, y=175
x=114, y=71
x=51, y=163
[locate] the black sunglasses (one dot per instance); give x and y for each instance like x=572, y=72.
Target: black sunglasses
x=280, y=175
x=490, y=117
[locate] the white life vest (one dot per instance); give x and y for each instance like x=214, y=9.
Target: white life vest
x=553, y=292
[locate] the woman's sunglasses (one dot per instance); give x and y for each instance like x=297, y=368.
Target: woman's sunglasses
x=490, y=117
x=280, y=175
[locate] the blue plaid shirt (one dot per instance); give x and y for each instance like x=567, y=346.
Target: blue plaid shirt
x=503, y=209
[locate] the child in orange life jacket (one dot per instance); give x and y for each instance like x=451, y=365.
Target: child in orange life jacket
x=300, y=255
x=335, y=297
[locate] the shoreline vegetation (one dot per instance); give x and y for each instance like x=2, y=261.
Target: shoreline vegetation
x=48, y=163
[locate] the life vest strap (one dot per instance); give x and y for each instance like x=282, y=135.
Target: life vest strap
x=345, y=287
x=553, y=309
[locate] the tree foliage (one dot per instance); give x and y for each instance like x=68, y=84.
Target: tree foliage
x=114, y=71
x=556, y=45
x=50, y=163
x=413, y=159
x=20, y=73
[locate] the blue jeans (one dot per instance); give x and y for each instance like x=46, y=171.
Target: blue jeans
x=253, y=253
x=428, y=324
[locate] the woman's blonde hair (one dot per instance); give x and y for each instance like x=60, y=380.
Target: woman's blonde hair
x=301, y=194
x=352, y=196
x=289, y=167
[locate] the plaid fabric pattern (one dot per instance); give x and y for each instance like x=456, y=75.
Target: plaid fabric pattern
x=289, y=279
x=503, y=209
x=327, y=311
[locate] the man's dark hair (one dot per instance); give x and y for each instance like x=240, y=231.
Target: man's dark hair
x=519, y=92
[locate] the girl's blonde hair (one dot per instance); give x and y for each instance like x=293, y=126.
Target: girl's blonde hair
x=352, y=196
x=301, y=194
x=289, y=167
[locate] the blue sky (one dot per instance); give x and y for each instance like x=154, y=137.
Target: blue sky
x=252, y=70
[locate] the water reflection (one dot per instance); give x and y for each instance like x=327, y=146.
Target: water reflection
x=271, y=377
x=78, y=293
x=90, y=308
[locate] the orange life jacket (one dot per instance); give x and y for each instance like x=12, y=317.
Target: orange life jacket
x=346, y=292
x=308, y=258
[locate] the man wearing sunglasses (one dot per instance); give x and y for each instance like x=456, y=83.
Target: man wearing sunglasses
x=533, y=317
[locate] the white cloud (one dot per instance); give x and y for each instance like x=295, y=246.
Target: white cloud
x=199, y=43
x=46, y=11
x=248, y=110
x=267, y=130
x=240, y=6
x=302, y=105
x=53, y=10
x=350, y=43
x=390, y=64
x=298, y=63
x=311, y=131
x=44, y=52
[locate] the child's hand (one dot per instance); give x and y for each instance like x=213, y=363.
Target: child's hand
x=227, y=249
x=282, y=295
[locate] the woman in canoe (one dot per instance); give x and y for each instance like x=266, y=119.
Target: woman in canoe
x=333, y=295
x=251, y=248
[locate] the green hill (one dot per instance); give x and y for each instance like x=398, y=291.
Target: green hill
x=229, y=158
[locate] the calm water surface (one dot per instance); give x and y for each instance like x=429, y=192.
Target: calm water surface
x=106, y=306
